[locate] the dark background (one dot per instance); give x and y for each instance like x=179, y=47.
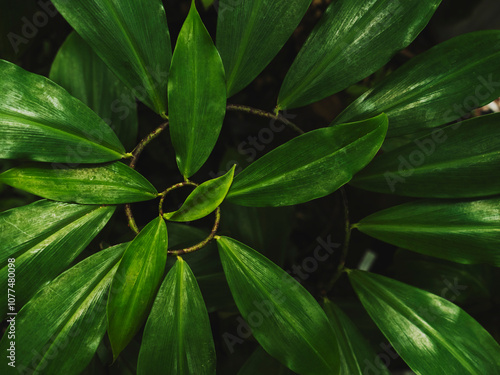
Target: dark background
x=288, y=235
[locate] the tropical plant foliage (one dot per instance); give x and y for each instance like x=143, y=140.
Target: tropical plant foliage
x=152, y=296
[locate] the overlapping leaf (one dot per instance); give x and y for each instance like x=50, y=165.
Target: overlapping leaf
x=437, y=87
x=113, y=183
x=251, y=32
x=355, y=351
x=461, y=231
x=131, y=37
x=284, y=318
x=263, y=364
x=177, y=338
x=204, y=199
x=310, y=166
x=135, y=284
x=41, y=121
x=457, y=161
x=431, y=334
x=44, y=238
x=196, y=94
x=352, y=40
x=80, y=71
x=59, y=330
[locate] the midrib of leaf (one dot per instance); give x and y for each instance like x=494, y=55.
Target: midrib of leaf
x=290, y=319
x=423, y=326
x=74, y=314
x=69, y=132
x=245, y=42
x=431, y=228
x=274, y=179
x=433, y=166
x=133, y=47
x=180, y=324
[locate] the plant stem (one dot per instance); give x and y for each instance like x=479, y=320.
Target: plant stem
x=347, y=240
x=261, y=113
x=136, y=153
x=203, y=243
x=173, y=187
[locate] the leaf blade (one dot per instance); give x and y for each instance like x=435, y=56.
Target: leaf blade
x=113, y=183
x=178, y=338
x=79, y=70
x=131, y=38
x=434, y=88
x=40, y=121
x=197, y=95
x=136, y=282
x=295, y=172
x=338, y=53
x=248, y=39
x=422, y=327
x=297, y=333
x=204, y=199
x=460, y=231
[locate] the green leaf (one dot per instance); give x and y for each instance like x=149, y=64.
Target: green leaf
x=207, y=3
x=177, y=338
x=432, y=335
x=204, y=199
x=44, y=238
x=460, y=231
x=196, y=94
x=40, y=121
x=457, y=161
x=310, y=166
x=352, y=40
x=59, y=330
x=131, y=37
x=113, y=183
x=355, y=351
x=80, y=71
x=263, y=364
x=285, y=319
x=250, y=33
x=437, y=87
x=135, y=284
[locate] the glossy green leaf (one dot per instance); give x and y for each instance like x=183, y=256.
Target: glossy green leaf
x=44, y=238
x=352, y=40
x=196, y=94
x=59, y=330
x=204, y=199
x=177, y=338
x=457, y=161
x=80, y=71
x=431, y=334
x=263, y=364
x=437, y=87
x=131, y=37
x=285, y=319
x=113, y=183
x=310, y=166
x=461, y=231
x=136, y=282
x=355, y=351
x=41, y=121
x=251, y=32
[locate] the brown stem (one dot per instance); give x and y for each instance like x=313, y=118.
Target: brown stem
x=173, y=187
x=136, y=153
x=261, y=113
